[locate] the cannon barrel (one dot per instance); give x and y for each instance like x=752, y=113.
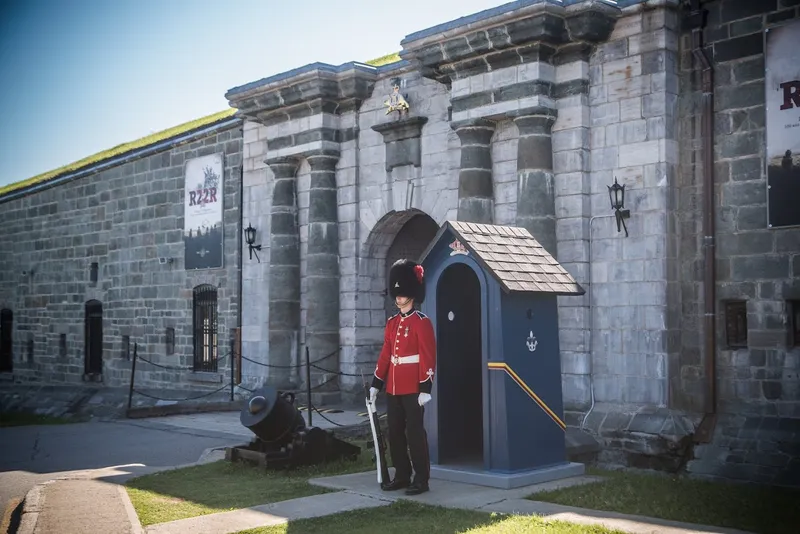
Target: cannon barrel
x=282, y=439
x=272, y=417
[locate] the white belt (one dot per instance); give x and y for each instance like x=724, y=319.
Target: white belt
x=398, y=360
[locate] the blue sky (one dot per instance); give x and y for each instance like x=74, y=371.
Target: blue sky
x=81, y=76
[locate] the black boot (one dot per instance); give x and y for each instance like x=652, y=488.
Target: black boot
x=417, y=487
x=395, y=485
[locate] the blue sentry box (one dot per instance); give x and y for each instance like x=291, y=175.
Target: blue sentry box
x=496, y=414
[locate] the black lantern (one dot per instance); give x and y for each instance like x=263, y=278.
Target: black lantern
x=250, y=238
x=616, y=194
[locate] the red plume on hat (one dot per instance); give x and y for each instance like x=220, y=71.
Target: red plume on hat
x=420, y=272
x=407, y=279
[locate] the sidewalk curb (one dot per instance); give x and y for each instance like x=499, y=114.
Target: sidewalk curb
x=33, y=502
x=32, y=505
x=133, y=518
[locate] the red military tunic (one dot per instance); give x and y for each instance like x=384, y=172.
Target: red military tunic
x=407, y=361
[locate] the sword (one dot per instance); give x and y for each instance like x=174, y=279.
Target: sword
x=377, y=438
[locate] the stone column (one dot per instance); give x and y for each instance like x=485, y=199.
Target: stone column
x=322, y=263
x=284, y=273
x=536, y=209
x=475, y=189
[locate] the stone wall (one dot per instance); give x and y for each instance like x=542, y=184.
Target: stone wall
x=124, y=218
x=758, y=392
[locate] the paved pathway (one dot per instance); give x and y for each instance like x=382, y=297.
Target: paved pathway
x=228, y=422
x=269, y=514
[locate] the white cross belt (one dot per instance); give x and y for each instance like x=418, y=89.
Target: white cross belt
x=399, y=360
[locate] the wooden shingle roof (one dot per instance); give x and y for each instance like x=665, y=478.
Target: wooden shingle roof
x=514, y=257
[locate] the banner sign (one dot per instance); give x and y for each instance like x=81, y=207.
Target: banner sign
x=783, y=125
x=202, y=216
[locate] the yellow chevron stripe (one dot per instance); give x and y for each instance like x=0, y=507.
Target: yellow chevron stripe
x=501, y=366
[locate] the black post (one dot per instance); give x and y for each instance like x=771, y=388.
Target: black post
x=133, y=373
x=231, y=358
x=308, y=385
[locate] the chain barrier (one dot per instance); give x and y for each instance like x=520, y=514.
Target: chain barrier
x=297, y=366
x=337, y=373
x=334, y=422
x=174, y=368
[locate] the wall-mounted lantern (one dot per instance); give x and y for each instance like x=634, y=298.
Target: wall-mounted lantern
x=616, y=194
x=250, y=238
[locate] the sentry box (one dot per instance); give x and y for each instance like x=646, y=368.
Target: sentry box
x=496, y=416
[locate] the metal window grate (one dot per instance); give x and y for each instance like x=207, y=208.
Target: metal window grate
x=93, y=338
x=205, y=328
x=794, y=323
x=736, y=324
x=6, y=342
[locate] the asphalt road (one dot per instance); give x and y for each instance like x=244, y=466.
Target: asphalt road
x=33, y=454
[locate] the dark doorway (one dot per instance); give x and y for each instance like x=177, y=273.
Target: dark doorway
x=410, y=242
x=93, y=338
x=6, y=341
x=460, y=366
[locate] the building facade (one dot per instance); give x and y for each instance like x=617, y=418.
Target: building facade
x=100, y=260
x=683, y=352
x=525, y=115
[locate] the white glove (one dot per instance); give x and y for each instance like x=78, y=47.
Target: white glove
x=373, y=394
x=423, y=398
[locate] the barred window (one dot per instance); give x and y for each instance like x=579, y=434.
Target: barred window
x=205, y=327
x=6, y=341
x=736, y=324
x=793, y=309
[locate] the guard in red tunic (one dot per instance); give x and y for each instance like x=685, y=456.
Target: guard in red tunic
x=406, y=367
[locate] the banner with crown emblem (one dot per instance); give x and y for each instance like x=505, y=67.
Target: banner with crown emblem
x=202, y=218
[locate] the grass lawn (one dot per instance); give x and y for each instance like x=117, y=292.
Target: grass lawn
x=746, y=507
x=222, y=486
x=26, y=418
x=404, y=517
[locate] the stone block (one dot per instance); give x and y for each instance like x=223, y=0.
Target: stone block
x=604, y=114
x=623, y=69
x=731, y=11
x=743, y=194
x=571, y=161
x=605, y=159
x=571, y=139
x=745, y=268
x=629, y=88
x=739, y=47
x=630, y=109
x=634, y=131
x=640, y=154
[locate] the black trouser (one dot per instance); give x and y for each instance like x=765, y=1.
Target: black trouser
x=407, y=434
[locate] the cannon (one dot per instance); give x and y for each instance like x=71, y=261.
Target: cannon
x=282, y=439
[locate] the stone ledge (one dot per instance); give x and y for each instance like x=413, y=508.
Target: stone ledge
x=402, y=141
x=335, y=89
x=655, y=438
x=183, y=409
x=530, y=33
x=204, y=377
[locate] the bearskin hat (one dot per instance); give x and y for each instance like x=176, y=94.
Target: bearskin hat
x=407, y=279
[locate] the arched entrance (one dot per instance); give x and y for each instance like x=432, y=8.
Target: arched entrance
x=93, y=338
x=459, y=366
x=410, y=242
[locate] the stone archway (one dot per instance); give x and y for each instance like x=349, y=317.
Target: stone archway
x=410, y=242
x=397, y=234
